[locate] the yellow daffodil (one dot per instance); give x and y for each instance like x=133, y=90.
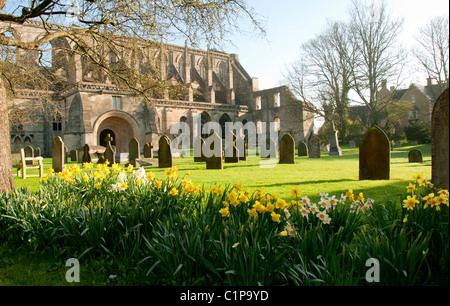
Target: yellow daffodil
x=158, y=184
x=88, y=165
x=410, y=202
x=252, y=212
x=173, y=192
x=280, y=203
x=98, y=185
x=150, y=176
x=428, y=199
x=417, y=177
x=238, y=187
x=225, y=212
x=243, y=198
x=275, y=217
x=270, y=207
x=411, y=188
x=51, y=170
x=295, y=192
x=283, y=234
x=85, y=177
x=45, y=177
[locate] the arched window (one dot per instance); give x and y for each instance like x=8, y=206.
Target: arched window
x=203, y=70
x=222, y=72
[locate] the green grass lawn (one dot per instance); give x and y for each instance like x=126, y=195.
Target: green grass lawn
x=332, y=174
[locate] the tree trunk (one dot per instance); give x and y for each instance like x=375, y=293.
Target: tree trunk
x=6, y=173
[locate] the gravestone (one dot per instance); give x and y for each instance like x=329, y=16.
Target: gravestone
x=66, y=151
x=148, y=150
x=110, y=152
x=374, y=155
x=198, y=150
x=58, y=154
x=86, y=154
x=335, y=149
x=440, y=142
x=231, y=151
x=302, y=149
x=133, y=150
x=270, y=150
x=241, y=145
x=73, y=155
x=287, y=149
x=415, y=156
x=214, y=162
x=122, y=158
x=29, y=152
x=314, y=147
x=352, y=144
x=164, y=152
x=37, y=152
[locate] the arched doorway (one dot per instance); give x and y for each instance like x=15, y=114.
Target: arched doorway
x=103, y=137
x=121, y=127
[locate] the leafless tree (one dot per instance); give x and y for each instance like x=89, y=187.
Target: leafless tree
x=100, y=28
x=432, y=49
x=322, y=77
x=378, y=55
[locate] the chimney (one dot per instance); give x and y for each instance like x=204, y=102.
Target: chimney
x=429, y=81
x=384, y=84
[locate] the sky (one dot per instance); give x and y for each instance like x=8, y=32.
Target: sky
x=289, y=23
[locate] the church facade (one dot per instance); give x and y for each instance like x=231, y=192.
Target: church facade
x=91, y=107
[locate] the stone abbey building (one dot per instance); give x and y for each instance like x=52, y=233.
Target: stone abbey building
x=91, y=106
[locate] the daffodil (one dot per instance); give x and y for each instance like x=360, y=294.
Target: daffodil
x=225, y=212
x=88, y=165
x=51, y=170
x=98, y=185
x=85, y=177
x=270, y=207
x=150, y=176
x=123, y=186
x=411, y=188
x=158, y=184
x=275, y=217
x=280, y=203
x=428, y=199
x=410, y=202
x=243, y=198
x=238, y=187
x=295, y=192
x=252, y=212
x=173, y=192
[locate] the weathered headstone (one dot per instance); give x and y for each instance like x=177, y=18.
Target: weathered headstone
x=66, y=150
x=86, y=154
x=314, y=147
x=37, y=152
x=134, y=150
x=73, y=155
x=58, y=154
x=231, y=151
x=374, y=155
x=415, y=156
x=148, y=150
x=287, y=149
x=440, y=142
x=164, y=152
x=302, y=149
x=198, y=150
x=29, y=152
x=352, y=144
x=270, y=150
x=241, y=145
x=214, y=161
x=335, y=149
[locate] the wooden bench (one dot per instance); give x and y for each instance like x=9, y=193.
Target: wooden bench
x=19, y=161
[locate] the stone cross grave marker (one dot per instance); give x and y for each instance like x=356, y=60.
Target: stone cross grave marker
x=133, y=151
x=287, y=149
x=415, y=156
x=214, y=162
x=110, y=152
x=335, y=149
x=440, y=142
x=164, y=152
x=314, y=147
x=374, y=155
x=58, y=154
x=148, y=150
x=302, y=149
